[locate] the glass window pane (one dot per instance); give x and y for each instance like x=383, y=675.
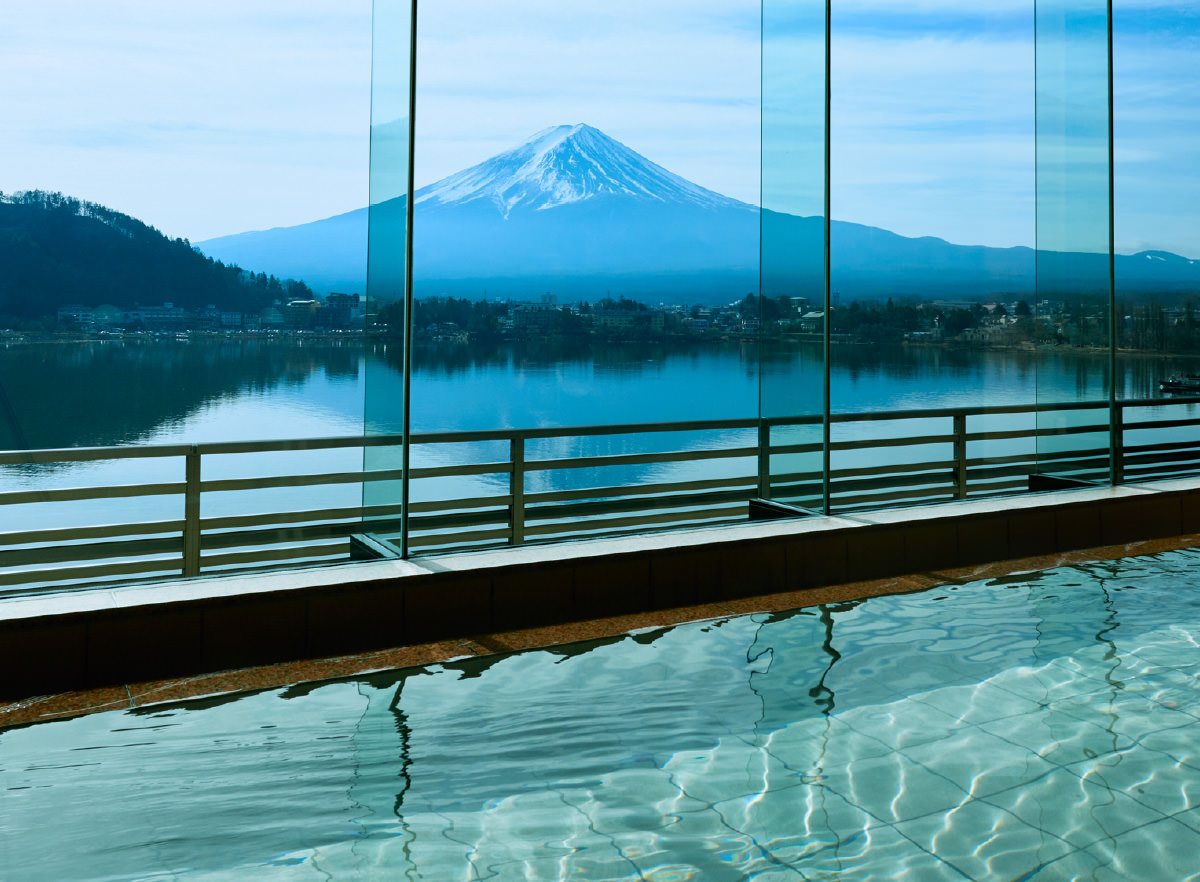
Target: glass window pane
x=1157, y=179
x=1073, y=279
x=156, y=159
x=385, y=358
x=585, y=257
x=792, y=307
x=932, y=271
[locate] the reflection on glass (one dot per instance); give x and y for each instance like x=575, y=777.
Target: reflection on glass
x=384, y=409
x=792, y=305
x=586, y=182
x=932, y=188
x=1157, y=187
x=1073, y=231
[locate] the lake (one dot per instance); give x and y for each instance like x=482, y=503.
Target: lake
x=121, y=392
x=144, y=392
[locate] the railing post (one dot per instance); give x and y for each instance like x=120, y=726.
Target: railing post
x=960, y=456
x=191, y=514
x=516, y=489
x=764, y=459
x=1118, y=443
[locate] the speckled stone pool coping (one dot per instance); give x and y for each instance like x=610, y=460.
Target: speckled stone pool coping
x=41, y=708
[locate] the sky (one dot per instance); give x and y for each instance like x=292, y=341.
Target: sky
x=198, y=118
x=215, y=118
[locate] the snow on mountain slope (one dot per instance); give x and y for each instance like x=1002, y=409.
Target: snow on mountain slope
x=566, y=164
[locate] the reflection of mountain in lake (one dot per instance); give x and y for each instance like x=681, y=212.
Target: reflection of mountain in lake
x=624, y=359
x=113, y=393
x=99, y=394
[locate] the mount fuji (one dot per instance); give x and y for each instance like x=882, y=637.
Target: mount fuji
x=567, y=165
x=575, y=212
x=571, y=211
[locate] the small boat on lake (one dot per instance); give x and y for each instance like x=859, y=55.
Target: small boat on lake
x=1184, y=384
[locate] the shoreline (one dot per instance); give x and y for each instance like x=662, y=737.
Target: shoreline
x=23, y=338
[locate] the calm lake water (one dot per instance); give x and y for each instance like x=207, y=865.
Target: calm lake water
x=133, y=392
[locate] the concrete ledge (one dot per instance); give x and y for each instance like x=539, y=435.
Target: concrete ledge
x=79, y=640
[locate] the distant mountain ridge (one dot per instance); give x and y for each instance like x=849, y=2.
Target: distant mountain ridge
x=575, y=212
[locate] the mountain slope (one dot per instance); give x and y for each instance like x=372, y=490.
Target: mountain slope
x=577, y=213
x=56, y=250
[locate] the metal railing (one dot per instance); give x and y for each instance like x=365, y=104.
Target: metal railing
x=512, y=486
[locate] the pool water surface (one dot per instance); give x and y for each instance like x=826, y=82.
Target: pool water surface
x=1043, y=726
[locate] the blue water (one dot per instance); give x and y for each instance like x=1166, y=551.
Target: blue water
x=134, y=392
x=144, y=393
x=1042, y=726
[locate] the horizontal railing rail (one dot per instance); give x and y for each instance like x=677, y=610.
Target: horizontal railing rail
x=478, y=489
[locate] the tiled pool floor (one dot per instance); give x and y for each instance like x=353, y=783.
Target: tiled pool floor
x=955, y=783
x=1086, y=767
x=1046, y=772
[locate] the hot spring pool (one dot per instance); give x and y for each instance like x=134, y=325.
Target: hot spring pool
x=1043, y=726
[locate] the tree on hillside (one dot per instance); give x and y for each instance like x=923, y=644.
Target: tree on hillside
x=57, y=250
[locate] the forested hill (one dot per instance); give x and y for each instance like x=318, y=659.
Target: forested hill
x=56, y=250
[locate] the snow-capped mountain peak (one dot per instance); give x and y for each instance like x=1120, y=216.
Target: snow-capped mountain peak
x=566, y=164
